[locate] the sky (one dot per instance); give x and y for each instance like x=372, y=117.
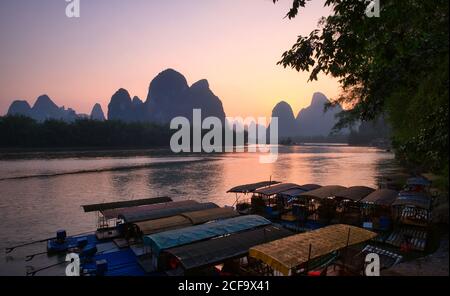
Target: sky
x=234, y=44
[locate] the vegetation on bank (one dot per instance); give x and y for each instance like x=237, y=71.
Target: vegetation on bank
x=24, y=132
x=394, y=65
x=20, y=132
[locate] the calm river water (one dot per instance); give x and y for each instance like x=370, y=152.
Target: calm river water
x=39, y=195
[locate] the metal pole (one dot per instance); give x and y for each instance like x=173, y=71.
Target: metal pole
x=309, y=258
x=346, y=248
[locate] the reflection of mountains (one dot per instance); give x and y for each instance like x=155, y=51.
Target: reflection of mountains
x=169, y=96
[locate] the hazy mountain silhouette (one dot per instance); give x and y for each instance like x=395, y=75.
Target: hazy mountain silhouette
x=287, y=126
x=20, y=108
x=169, y=96
x=43, y=109
x=313, y=121
x=121, y=107
x=310, y=122
x=97, y=113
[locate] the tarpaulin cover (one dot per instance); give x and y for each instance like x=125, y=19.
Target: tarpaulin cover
x=355, y=193
x=323, y=192
x=309, y=187
x=165, y=212
x=163, y=224
x=199, y=217
x=115, y=213
x=421, y=181
x=174, y=238
x=125, y=204
x=288, y=253
x=295, y=192
x=382, y=197
x=415, y=199
x=251, y=187
x=276, y=189
x=217, y=250
x=184, y=220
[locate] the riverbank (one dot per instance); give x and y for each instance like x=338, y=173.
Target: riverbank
x=39, y=153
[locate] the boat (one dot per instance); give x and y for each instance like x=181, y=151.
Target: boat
x=412, y=214
x=160, y=236
x=227, y=255
x=376, y=209
x=348, y=204
x=159, y=242
x=302, y=253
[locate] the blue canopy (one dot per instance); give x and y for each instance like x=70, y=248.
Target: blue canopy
x=420, y=181
x=173, y=238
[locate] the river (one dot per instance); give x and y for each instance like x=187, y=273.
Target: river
x=40, y=193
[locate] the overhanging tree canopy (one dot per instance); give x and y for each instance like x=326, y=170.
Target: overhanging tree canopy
x=394, y=65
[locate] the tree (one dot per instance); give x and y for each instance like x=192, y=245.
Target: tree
x=394, y=65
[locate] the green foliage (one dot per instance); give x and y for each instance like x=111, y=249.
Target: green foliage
x=370, y=133
x=394, y=65
x=24, y=132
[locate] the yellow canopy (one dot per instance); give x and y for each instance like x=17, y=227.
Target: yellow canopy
x=285, y=254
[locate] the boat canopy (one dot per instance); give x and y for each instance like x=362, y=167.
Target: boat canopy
x=247, y=188
x=165, y=212
x=214, y=251
x=200, y=217
x=124, y=204
x=323, y=192
x=418, y=181
x=163, y=224
x=292, y=252
x=115, y=213
x=309, y=187
x=277, y=189
x=355, y=193
x=173, y=238
x=295, y=192
x=185, y=220
x=381, y=197
x=415, y=199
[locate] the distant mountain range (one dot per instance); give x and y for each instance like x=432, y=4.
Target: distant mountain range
x=44, y=108
x=312, y=121
x=170, y=95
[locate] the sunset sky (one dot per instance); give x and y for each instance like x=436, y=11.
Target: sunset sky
x=235, y=44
